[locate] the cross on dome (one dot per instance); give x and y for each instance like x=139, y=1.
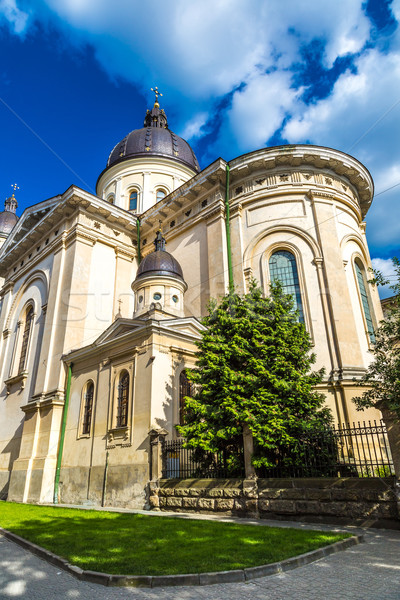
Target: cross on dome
x=157, y=93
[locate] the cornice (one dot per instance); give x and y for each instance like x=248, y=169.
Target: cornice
x=299, y=157
x=58, y=212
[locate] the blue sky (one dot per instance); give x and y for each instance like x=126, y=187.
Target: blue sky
x=237, y=75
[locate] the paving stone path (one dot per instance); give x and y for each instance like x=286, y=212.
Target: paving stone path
x=369, y=571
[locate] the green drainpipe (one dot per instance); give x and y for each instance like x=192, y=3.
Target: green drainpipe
x=228, y=231
x=139, y=254
x=62, y=436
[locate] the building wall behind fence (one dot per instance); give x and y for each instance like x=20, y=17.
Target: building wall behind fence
x=369, y=501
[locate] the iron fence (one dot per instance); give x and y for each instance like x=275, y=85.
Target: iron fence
x=181, y=462
x=360, y=450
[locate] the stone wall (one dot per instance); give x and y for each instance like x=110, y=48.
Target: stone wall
x=323, y=499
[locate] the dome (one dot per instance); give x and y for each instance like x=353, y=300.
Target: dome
x=159, y=262
x=154, y=139
x=8, y=218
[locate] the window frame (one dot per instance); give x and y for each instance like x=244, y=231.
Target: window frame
x=160, y=189
x=84, y=407
x=370, y=335
x=122, y=398
x=25, y=339
x=133, y=190
x=266, y=278
x=297, y=296
x=181, y=395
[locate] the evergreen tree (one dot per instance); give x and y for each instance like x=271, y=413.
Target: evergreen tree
x=254, y=366
x=383, y=374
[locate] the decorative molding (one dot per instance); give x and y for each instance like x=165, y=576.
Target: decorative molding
x=118, y=436
x=17, y=379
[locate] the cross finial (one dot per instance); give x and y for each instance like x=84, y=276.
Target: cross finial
x=14, y=187
x=157, y=93
x=119, y=305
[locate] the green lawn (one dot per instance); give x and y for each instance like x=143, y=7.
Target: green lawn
x=149, y=545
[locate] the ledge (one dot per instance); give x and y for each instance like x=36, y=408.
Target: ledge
x=187, y=579
x=20, y=378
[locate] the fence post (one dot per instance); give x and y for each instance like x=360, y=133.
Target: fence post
x=393, y=431
x=157, y=436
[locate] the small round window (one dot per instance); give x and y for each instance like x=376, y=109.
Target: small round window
x=140, y=299
x=157, y=296
x=175, y=299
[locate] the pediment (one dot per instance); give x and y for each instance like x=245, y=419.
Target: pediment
x=188, y=325
x=119, y=328
x=29, y=219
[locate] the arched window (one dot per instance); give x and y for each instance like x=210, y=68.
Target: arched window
x=122, y=399
x=133, y=200
x=110, y=198
x=283, y=268
x=360, y=272
x=25, y=339
x=88, y=407
x=185, y=389
x=160, y=194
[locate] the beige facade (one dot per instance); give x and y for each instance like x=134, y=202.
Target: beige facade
x=70, y=298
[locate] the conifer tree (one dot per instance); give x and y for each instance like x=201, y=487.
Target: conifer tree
x=253, y=368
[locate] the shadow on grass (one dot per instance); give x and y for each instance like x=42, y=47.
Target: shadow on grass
x=147, y=545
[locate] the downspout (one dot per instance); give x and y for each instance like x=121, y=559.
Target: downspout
x=139, y=254
x=228, y=231
x=62, y=435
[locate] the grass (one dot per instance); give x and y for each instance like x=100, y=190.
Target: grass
x=136, y=544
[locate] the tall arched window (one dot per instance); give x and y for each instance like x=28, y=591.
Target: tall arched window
x=360, y=272
x=160, y=194
x=122, y=399
x=283, y=268
x=133, y=200
x=88, y=407
x=185, y=389
x=25, y=339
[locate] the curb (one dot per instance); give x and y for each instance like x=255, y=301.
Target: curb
x=152, y=581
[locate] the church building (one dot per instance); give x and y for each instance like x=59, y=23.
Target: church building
x=102, y=298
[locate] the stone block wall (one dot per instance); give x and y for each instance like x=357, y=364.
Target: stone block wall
x=322, y=499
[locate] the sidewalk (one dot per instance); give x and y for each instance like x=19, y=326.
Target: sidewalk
x=369, y=571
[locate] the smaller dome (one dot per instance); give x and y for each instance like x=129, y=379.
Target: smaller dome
x=8, y=218
x=7, y=221
x=159, y=262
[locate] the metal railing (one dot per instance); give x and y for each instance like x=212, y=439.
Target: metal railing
x=360, y=450
x=180, y=462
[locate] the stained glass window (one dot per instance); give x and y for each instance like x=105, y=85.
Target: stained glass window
x=283, y=268
x=364, y=299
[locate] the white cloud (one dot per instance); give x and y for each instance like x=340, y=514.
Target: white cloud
x=17, y=18
x=362, y=117
x=194, y=128
x=385, y=266
x=206, y=47
x=202, y=51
